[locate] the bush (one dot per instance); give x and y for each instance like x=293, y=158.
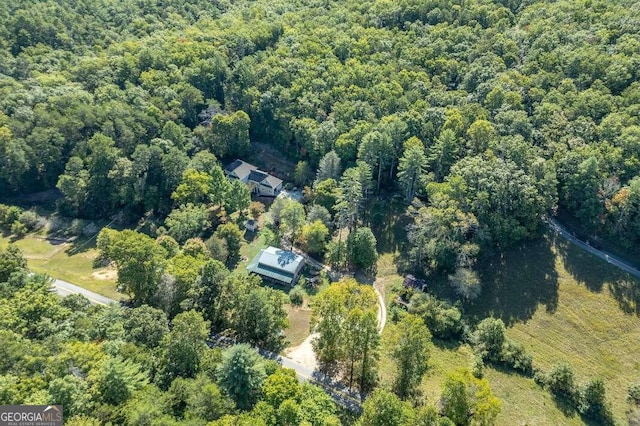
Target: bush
x=443, y=320
x=18, y=228
x=32, y=220
x=633, y=394
x=515, y=356
x=8, y=215
x=561, y=381
x=296, y=295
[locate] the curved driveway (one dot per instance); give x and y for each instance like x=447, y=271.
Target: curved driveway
x=340, y=393
x=560, y=230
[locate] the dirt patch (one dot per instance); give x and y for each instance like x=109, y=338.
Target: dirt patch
x=303, y=353
x=106, y=275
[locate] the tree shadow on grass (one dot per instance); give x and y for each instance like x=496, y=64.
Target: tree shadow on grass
x=594, y=273
x=388, y=223
x=565, y=405
x=517, y=282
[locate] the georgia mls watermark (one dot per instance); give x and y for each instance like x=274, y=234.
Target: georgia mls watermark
x=31, y=415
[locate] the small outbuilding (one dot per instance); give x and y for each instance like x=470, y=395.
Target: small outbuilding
x=279, y=265
x=251, y=225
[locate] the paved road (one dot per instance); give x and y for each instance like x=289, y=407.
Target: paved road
x=64, y=288
x=560, y=230
x=340, y=394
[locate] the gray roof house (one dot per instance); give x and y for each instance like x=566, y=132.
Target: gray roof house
x=279, y=265
x=261, y=183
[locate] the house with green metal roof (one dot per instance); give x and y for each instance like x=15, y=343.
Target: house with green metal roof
x=279, y=265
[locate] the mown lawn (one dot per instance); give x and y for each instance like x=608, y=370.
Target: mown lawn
x=299, y=320
x=562, y=304
x=70, y=262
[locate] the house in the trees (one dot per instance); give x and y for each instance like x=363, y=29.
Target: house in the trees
x=260, y=183
x=278, y=265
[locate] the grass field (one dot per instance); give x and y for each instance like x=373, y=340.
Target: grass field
x=566, y=305
x=65, y=262
x=561, y=303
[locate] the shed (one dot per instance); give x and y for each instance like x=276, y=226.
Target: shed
x=279, y=265
x=251, y=225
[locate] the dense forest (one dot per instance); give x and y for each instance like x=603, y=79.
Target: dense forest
x=481, y=118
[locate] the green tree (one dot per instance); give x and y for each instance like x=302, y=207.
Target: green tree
x=207, y=291
x=187, y=221
x=329, y=167
x=326, y=193
x=242, y=375
x=315, y=236
x=593, y=401
x=140, y=263
x=118, y=379
x=194, y=188
x=302, y=174
x=292, y=219
x=411, y=167
x=238, y=197
x=233, y=236
x=280, y=386
x=335, y=343
x=466, y=399
x=466, y=283
x=11, y=261
x=207, y=402
x=561, y=381
x=489, y=338
x=146, y=326
x=361, y=249
x=184, y=347
x=376, y=150
x=73, y=184
x=383, y=408
x=411, y=349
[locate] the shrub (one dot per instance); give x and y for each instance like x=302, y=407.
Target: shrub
x=515, y=356
x=443, y=320
x=8, y=215
x=18, y=228
x=296, y=295
x=561, y=380
x=32, y=220
x=633, y=394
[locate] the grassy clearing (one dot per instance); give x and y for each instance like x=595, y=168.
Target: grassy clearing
x=560, y=302
x=299, y=320
x=565, y=305
x=66, y=262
